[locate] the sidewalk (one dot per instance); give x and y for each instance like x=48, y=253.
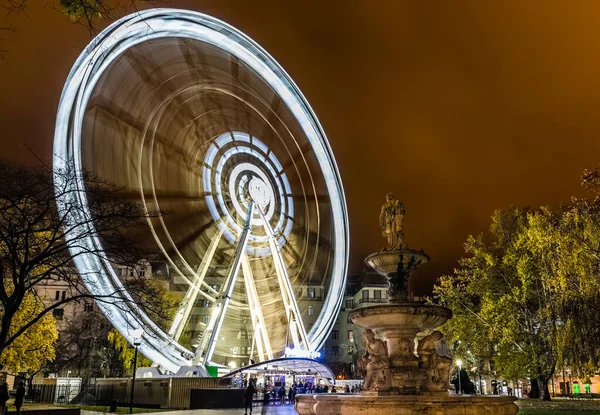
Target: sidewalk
x=257, y=410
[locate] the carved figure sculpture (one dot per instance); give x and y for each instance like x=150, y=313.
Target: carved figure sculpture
x=435, y=357
x=374, y=363
x=391, y=221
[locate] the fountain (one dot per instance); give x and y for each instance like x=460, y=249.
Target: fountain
x=397, y=378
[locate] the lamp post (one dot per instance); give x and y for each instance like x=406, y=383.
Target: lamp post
x=459, y=364
x=137, y=340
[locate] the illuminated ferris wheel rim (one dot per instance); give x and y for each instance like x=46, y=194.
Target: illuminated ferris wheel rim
x=94, y=60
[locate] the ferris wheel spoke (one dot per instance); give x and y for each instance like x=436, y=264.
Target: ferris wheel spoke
x=271, y=117
x=261, y=337
x=153, y=75
x=183, y=314
x=208, y=339
x=295, y=324
x=302, y=151
x=122, y=116
x=162, y=195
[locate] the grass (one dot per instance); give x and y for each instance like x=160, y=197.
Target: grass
x=559, y=407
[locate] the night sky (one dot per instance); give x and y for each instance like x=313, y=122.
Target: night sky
x=459, y=108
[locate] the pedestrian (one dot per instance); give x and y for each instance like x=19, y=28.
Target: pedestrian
x=282, y=395
x=346, y=388
x=249, y=397
x=3, y=398
x=266, y=397
x=19, y=397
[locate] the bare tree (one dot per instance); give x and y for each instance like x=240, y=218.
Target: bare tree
x=40, y=219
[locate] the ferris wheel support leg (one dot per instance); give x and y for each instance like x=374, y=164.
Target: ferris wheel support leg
x=182, y=315
x=258, y=321
x=226, y=293
x=296, y=326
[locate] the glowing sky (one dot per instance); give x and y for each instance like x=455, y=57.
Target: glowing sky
x=457, y=107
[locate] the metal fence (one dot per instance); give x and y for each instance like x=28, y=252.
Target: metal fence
x=149, y=393
x=63, y=394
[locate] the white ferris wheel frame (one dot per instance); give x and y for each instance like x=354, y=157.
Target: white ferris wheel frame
x=97, y=273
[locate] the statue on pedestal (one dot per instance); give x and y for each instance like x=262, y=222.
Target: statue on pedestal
x=391, y=222
x=374, y=363
x=435, y=357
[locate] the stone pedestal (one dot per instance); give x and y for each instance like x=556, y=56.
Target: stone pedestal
x=340, y=404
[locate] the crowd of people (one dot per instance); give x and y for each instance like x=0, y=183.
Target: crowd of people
x=280, y=395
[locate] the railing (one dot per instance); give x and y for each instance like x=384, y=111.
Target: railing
x=64, y=394
x=149, y=393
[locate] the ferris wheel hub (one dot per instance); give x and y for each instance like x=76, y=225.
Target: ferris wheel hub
x=259, y=192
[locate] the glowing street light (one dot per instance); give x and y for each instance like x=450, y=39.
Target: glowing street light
x=136, y=335
x=459, y=364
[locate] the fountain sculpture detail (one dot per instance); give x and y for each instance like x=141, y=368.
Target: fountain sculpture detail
x=397, y=378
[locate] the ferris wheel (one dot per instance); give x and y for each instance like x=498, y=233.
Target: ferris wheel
x=193, y=118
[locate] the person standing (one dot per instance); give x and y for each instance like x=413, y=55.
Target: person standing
x=281, y=393
x=249, y=397
x=3, y=398
x=20, y=397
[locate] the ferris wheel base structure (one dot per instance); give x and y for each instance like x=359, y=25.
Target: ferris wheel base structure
x=190, y=116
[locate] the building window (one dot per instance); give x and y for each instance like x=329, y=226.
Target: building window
x=311, y=310
x=141, y=273
x=350, y=303
x=58, y=313
x=57, y=297
x=64, y=294
x=131, y=272
x=311, y=293
x=377, y=294
x=348, y=319
x=89, y=307
x=350, y=349
x=351, y=335
x=335, y=350
x=365, y=295
x=205, y=303
x=335, y=335
x=205, y=318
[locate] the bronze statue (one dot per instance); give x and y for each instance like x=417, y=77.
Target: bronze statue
x=374, y=363
x=391, y=221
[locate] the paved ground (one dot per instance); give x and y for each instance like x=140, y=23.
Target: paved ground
x=257, y=410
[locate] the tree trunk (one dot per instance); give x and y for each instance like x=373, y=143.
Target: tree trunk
x=534, y=393
x=543, y=386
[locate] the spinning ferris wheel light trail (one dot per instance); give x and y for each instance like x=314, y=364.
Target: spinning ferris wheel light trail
x=193, y=118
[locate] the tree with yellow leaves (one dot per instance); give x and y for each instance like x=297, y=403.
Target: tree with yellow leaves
x=527, y=293
x=31, y=351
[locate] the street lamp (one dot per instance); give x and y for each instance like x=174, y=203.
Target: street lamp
x=137, y=340
x=459, y=364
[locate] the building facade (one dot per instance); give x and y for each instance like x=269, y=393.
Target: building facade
x=345, y=345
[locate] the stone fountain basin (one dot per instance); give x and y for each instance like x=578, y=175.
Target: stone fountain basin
x=386, y=262
x=346, y=404
x=409, y=316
